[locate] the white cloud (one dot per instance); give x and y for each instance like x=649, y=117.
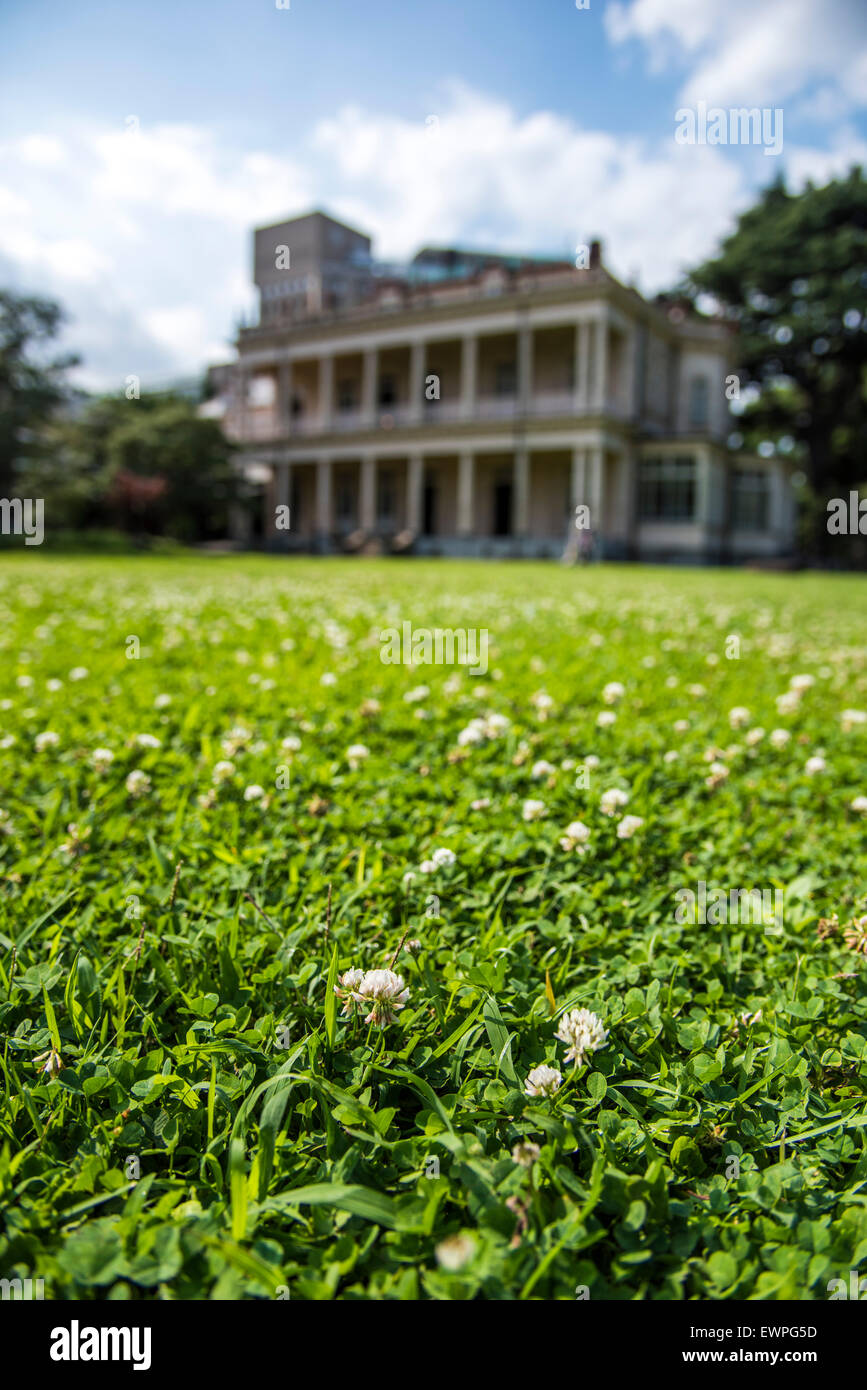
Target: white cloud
x=145, y=237
x=45, y=150
x=739, y=51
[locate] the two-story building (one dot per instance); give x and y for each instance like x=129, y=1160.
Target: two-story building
x=471, y=404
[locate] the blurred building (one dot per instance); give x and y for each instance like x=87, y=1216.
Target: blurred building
x=470, y=403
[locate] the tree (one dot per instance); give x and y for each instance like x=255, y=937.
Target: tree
x=792, y=278
x=31, y=388
x=170, y=470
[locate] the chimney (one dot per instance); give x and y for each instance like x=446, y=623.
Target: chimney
x=595, y=255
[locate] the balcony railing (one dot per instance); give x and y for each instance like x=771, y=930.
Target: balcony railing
x=260, y=425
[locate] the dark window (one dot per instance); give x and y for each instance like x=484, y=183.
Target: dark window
x=387, y=391
x=385, y=497
x=697, y=409
x=750, y=499
x=346, y=395
x=666, y=489
x=345, y=499
x=505, y=379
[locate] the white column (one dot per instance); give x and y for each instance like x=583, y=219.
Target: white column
x=323, y=497
x=367, y=501
x=284, y=484
x=466, y=479
x=369, y=372
x=578, y=489
x=521, y=492
x=414, y=489
x=600, y=376
x=284, y=398
x=416, y=381
x=326, y=390
x=525, y=369
x=594, y=484
x=469, y=375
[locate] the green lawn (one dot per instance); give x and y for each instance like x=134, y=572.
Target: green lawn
x=165, y=927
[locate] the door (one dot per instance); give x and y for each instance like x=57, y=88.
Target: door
x=502, y=509
x=429, y=510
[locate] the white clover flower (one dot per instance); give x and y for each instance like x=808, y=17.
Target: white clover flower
x=671, y=756
x=575, y=837
x=814, y=765
x=567, y=765
x=755, y=736
x=291, y=744
x=671, y=682
x=419, y=692
x=680, y=726
x=496, y=724
x=542, y=769
x=79, y=673
x=533, y=810
x=525, y=1153
x=473, y=733
x=162, y=701
x=779, y=737
x=859, y=804
x=355, y=755
x=408, y=878
x=738, y=716
x=222, y=771
x=481, y=804
x=348, y=983
x=583, y=1031
x=543, y=1081
x=612, y=800
x=613, y=692
x=384, y=993
x=718, y=773
x=236, y=739
x=102, y=759
x=24, y=682
x=254, y=792
x=7, y=741
x=427, y=866
x=7, y=826
x=455, y=1251
x=541, y=700
x=696, y=691
x=147, y=741
x=850, y=717
x=802, y=682
x=627, y=827
x=443, y=857
x=788, y=702
x=591, y=761
x=54, y=686
x=138, y=783
x=605, y=718
x=328, y=678
x=47, y=740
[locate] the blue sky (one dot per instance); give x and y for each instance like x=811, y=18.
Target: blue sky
x=140, y=143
